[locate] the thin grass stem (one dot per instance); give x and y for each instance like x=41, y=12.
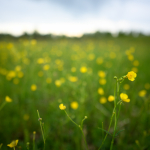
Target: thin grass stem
x=41, y=128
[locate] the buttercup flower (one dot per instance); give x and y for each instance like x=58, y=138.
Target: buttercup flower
x=102, y=81
x=103, y=100
x=73, y=79
x=33, y=87
x=131, y=75
x=58, y=83
x=83, y=69
x=100, y=91
x=101, y=74
x=8, y=99
x=111, y=98
x=62, y=107
x=124, y=97
x=13, y=143
x=74, y=105
x=142, y=93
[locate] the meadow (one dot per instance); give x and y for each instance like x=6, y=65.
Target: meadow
x=42, y=74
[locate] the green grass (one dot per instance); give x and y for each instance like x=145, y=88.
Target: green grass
x=19, y=118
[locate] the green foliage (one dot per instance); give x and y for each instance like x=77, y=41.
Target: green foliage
x=47, y=64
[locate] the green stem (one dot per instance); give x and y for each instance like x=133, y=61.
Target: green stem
x=3, y=104
x=79, y=127
x=41, y=128
x=14, y=148
x=115, y=103
x=114, y=112
x=71, y=119
x=119, y=111
x=108, y=131
x=84, y=138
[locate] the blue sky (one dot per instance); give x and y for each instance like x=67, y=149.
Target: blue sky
x=74, y=17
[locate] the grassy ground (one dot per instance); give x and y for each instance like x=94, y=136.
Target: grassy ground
x=39, y=75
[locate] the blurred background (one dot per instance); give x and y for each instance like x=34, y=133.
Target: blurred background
x=68, y=51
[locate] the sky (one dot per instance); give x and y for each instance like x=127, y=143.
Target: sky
x=74, y=17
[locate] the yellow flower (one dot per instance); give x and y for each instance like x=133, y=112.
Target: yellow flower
x=100, y=91
x=74, y=105
x=10, y=75
x=46, y=67
x=34, y=132
x=124, y=97
x=48, y=80
x=111, y=98
x=18, y=68
x=73, y=79
x=8, y=99
x=101, y=74
x=62, y=107
x=58, y=83
x=33, y=87
x=83, y=69
x=40, y=61
x=102, y=81
x=103, y=100
x=13, y=143
x=130, y=57
x=126, y=86
x=73, y=69
x=142, y=93
x=131, y=75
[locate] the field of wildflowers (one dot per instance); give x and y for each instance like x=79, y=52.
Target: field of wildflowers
x=78, y=76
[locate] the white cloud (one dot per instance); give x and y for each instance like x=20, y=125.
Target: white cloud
x=19, y=16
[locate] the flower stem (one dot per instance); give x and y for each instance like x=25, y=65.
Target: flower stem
x=79, y=126
x=108, y=131
x=84, y=138
x=115, y=103
x=114, y=112
x=71, y=119
x=41, y=129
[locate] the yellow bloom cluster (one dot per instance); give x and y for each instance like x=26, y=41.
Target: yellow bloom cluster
x=131, y=75
x=62, y=107
x=13, y=143
x=124, y=97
